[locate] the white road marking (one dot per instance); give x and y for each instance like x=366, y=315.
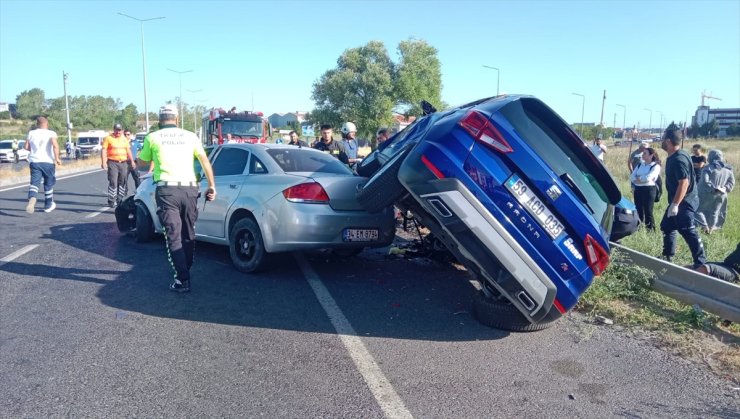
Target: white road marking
x=18, y=253
x=95, y=214
x=382, y=390
x=58, y=178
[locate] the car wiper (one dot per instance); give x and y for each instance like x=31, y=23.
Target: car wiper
x=579, y=193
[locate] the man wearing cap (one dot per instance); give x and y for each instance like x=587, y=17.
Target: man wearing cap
x=115, y=157
x=636, y=157
x=172, y=150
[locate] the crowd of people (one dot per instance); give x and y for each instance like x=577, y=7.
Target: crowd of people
x=696, y=187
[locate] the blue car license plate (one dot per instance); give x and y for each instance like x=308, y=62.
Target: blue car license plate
x=360, y=234
x=534, y=206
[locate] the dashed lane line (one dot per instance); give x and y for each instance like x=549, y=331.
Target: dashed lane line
x=381, y=388
x=18, y=253
x=95, y=214
x=58, y=179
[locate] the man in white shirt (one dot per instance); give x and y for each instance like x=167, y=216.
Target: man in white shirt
x=44, y=156
x=598, y=148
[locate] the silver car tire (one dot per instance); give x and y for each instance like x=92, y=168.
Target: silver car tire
x=144, y=224
x=246, y=247
x=383, y=188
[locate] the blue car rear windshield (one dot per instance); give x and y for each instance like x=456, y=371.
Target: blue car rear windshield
x=307, y=160
x=547, y=135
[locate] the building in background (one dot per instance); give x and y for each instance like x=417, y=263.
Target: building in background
x=725, y=117
x=278, y=120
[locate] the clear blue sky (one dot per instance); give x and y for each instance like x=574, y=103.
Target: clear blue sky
x=647, y=54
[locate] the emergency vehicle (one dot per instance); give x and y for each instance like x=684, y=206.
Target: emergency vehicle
x=89, y=143
x=244, y=127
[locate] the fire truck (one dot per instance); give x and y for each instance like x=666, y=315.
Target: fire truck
x=244, y=127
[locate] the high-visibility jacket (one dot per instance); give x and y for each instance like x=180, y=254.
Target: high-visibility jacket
x=116, y=147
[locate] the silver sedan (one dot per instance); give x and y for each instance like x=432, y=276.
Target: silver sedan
x=276, y=198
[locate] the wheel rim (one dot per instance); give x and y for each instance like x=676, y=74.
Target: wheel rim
x=246, y=245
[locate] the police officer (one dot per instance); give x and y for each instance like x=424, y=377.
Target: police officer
x=172, y=150
x=116, y=158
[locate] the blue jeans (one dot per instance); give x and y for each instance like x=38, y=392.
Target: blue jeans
x=47, y=172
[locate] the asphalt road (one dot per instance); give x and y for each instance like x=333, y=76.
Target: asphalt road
x=88, y=328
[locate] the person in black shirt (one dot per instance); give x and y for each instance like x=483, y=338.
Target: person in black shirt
x=698, y=160
x=328, y=145
x=682, y=199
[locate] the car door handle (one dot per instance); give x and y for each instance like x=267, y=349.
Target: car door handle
x=232, y=186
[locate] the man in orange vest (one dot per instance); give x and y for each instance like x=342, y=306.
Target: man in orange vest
x=115, y=157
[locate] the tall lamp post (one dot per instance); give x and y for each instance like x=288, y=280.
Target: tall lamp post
x=583, y=106
x=143, y=61
x=498, y=73
x=624, y=117
x=650, y=124
x=179, y=74
x=660, y=127
x=195, y=118
x=66, y=111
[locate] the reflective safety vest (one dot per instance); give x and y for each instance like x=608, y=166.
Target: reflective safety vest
x=116, y=147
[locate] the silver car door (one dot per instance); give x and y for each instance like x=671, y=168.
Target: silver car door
x=229, y=167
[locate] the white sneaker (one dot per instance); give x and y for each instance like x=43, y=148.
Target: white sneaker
x=51, y=208
x=31, y=205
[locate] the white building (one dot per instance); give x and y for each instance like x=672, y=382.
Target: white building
x=725, y=117
x=283, y=119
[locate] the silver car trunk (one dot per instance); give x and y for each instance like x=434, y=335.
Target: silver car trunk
x=341, y=190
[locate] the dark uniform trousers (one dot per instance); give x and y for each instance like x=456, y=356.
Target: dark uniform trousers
x=683, y=223
x=177, y=210
x=117, y=178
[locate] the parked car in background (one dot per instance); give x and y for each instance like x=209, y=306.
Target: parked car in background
x=276, y=198
x=6, y=151
x=513, y=193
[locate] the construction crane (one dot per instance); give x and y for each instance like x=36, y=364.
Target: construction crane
x=707, y=96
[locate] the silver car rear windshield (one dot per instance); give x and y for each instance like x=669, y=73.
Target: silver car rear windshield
x=307, y=160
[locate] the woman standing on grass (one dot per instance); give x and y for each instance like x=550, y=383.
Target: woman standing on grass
x=644, y=177
x=716, y=181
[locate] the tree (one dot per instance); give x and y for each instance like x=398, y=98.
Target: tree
x=733, y=130
x=30, y=103
x=418, y=76
x=360, y=89
x=128, y=117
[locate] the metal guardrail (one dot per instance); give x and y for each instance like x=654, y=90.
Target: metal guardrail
x=711, y=294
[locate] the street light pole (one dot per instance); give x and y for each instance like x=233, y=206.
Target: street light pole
x=650, y=124
x=143, y=61
x=66, y=110
x=498, y=73
x=583, y=106
x=624, y=117
x=179, y=74
x=660, y=127
x=195, y=127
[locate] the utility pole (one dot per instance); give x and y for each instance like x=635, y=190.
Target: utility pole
x=601, y=121
x=583, y=106
x=66, y=107
x=179, y=74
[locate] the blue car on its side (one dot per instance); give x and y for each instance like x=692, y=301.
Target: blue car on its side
x=513, y=192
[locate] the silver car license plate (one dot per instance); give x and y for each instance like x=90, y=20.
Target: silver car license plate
x=534, y=206
x=359, y=234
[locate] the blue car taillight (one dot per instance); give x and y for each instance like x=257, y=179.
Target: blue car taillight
x=484, y=132
x=596, y=256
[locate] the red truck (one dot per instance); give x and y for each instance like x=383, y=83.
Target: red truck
x=244, y=127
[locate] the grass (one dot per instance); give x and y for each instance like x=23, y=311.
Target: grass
x=623, y=292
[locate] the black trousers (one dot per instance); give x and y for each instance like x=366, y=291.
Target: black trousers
x=117, y=178
x=683, y=224
x=177, y=210
x=645, y=201
x=134, y=174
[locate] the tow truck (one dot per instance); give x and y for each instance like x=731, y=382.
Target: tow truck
x=244, y=127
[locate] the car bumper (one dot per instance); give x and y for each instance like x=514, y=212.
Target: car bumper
x=291, y=226
x=472, y=232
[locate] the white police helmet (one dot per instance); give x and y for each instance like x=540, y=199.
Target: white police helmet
x=348, y=127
